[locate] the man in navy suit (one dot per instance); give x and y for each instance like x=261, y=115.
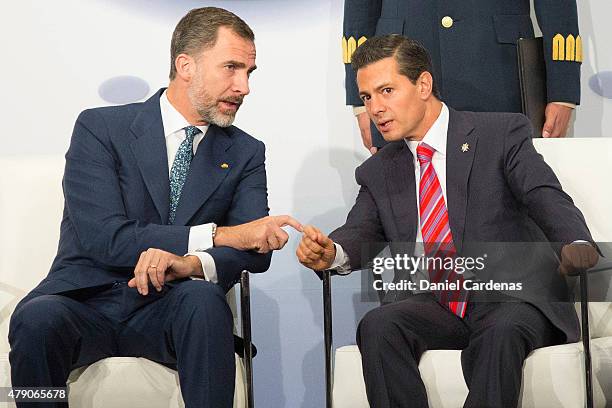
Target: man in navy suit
x=448, y=180
x=157, y=193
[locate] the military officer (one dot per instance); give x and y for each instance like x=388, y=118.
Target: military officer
x=473, y=50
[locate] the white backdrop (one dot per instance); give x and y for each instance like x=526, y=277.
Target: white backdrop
x=63, y=56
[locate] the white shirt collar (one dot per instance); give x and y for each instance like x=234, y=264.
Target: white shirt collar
x=436, y=136
x=172, y=119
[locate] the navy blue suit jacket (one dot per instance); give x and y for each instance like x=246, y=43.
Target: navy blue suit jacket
x=116, y=189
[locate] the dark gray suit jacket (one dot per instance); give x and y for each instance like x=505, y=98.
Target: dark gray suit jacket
x=500, y=190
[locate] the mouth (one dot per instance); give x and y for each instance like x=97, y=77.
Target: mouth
x=231, y=106
x=384, y=125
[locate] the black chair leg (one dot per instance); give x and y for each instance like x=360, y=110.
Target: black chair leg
x=586, y=337
x=245, y=307
x=327, y=323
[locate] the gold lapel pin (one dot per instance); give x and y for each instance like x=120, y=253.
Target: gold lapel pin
x=465, y=147
x=225, y=166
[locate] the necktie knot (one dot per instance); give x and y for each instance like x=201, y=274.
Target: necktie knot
x=424, y=153
x=191, y=131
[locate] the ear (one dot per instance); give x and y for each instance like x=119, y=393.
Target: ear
x=425, y=82
x=185, y=66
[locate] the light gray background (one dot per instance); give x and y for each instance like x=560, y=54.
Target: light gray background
x=63, y=56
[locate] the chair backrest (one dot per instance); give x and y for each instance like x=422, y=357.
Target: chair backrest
x=584, y=167
x=31, y=205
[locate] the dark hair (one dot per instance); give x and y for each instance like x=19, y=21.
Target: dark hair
x=412, y=58
x=198, y=30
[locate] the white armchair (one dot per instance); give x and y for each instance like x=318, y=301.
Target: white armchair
x=31, y=205
x=552, y=376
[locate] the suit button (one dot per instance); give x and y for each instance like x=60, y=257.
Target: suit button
x=447, y=22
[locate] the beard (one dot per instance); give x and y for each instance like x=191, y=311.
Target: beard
x=208, y=107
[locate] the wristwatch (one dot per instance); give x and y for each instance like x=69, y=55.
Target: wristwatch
x=214, y=232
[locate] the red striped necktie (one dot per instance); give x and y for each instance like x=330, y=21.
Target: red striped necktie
x=437, y=236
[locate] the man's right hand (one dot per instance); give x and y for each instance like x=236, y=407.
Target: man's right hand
x=316, y=251
x=363, y=120
x=262, y=235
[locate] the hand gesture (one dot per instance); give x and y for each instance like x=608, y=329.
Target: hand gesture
x=316, y=251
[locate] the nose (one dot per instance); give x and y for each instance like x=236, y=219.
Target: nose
x=241, y=83
x=376, y=106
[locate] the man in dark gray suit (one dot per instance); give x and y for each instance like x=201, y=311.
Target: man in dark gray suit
x=448, y=178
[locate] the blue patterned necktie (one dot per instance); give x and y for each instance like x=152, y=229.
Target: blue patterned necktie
x=180, y=169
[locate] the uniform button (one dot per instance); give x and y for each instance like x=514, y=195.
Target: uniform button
x=447, y=22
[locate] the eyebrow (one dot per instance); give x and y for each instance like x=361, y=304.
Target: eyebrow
x=378, y=88
x=241, y=65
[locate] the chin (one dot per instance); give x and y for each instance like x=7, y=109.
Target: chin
x=392, y=137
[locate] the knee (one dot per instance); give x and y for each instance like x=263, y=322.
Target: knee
x=202, y=295
x=522, y=330
x=369, y=325
x=378, y=324
x=37, y=319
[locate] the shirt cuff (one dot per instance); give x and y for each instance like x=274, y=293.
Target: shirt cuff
x=208, y=265
x=568, y=104
x=200, y=239
x=341, y=262
x=358, y=110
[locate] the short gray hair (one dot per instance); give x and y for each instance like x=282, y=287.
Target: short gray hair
x=198, y=31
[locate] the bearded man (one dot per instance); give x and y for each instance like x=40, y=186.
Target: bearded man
x=145, y=187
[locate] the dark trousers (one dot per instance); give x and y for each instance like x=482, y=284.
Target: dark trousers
x=188, y=325
x=495, y=339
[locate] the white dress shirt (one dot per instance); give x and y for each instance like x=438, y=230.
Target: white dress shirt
x=200, y=236
x=435, y=138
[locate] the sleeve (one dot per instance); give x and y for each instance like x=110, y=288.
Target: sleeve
x=94, y=202
x=536, y=186
x=200, y=239
x=558, y=20
x=360, y=19
x=209, y=269
x=341, y=263
x=362, y=235
x=250, y=202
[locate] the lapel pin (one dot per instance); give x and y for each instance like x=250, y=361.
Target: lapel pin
x=465, y=147
x=225, y=166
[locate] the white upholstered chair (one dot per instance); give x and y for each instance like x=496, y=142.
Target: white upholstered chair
x=31, y=204
x=553, y=377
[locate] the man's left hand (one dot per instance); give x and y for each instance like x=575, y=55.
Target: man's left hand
x=159, y=266
x=557, y=120
x=577, y=256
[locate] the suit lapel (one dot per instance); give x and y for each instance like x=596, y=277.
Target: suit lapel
x=399, y=176
x=206, y=173
x=460, y=150
x=149, y=148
